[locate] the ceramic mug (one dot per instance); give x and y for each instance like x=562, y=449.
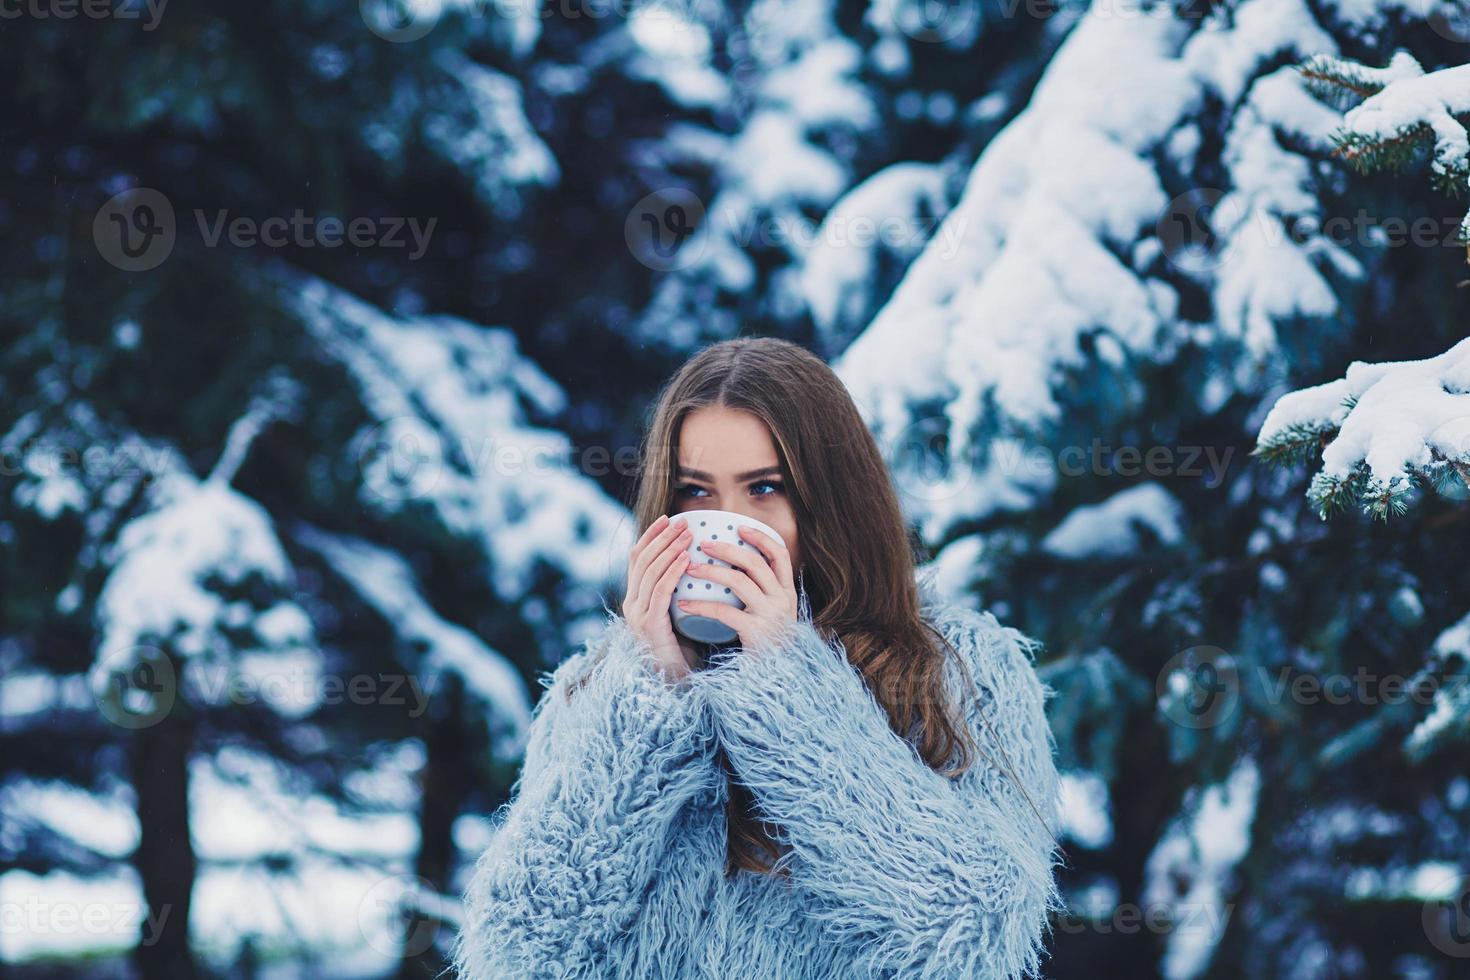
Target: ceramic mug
x=712, y=525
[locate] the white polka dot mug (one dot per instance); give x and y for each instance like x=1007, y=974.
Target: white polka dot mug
x=712, y=525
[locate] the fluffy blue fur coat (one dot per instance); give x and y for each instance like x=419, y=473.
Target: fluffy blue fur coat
x=609, y=860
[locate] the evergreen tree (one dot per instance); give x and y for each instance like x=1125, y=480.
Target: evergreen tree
x=1073, y=260
x=1149, y=261
x=239, y=461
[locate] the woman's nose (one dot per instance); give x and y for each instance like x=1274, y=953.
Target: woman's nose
x=728, y=502
x=736, y=508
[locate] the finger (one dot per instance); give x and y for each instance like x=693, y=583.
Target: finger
x=778, y=553
x=638, y=571
x=731, y=579
x=649, y=533
x=648, y=586
x=669, y=580
x=672, y=559
x=657, y=525
x=749, y=560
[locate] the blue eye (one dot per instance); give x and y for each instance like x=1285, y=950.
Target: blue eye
x=689, y=489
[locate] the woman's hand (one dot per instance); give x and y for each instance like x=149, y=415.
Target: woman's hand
x=654, y=566
x=766, y=587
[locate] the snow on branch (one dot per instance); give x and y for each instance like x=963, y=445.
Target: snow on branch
x=1380, y=428
x=200, y=574
x=386, y=582
x=1051, y=284
x=1449, y=712
x=450, y=404
x=1404, y=109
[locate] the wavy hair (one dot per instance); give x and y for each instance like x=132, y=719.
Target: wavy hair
x=858, y=557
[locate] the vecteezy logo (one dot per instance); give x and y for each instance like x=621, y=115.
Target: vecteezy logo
x=1193, y=230
x=920, y=458
x=400, y=459
x=400, y=20
x=1450, y=19
x=134, y=687
x=387, y=916
x=937, y=21
x=1447, y=917
x=666, y=229
x=135, y=230
x=1199, y=687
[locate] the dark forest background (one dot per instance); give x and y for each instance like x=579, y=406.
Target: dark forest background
x=327, y=334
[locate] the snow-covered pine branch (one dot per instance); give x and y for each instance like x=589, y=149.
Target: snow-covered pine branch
x=450, y=404
x=1404, y=110
x=1382, y=428
x=201, y=574
x=1049, y=290
x=433, y=646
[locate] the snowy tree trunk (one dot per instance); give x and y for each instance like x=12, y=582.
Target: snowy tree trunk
x=165, y=858
x=451, y=755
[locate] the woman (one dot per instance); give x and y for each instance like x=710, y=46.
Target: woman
x=861, y=785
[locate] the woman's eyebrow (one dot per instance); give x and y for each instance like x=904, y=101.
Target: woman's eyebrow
x=750, y=475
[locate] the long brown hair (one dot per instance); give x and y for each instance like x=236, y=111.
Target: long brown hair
x=858, y=559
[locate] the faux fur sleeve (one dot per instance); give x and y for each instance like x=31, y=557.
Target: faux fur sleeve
x=613, y=753
x=921, y=875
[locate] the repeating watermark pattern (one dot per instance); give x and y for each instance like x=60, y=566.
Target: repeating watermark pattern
x=135, y=687
x=954, y=23
x=147, y=12
x=919, y=452
x=138, y=687
x=136, y=231
x=400, y=21
x=1206, y=919
x=387, y=920
x=1362, y=686
x=1190, y=229
x=1200, y=230
x=1198, y=687
x=1447, y=917
x=931, y=469
x=666, y=229
x=1450, y=19
x=403, y=21
x=401, y=459
x=670, y=229
x=32, y=915
x=936, y=21
x=99, y=463
x=405, y=457
x=1099, y=458
x=302, y=230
